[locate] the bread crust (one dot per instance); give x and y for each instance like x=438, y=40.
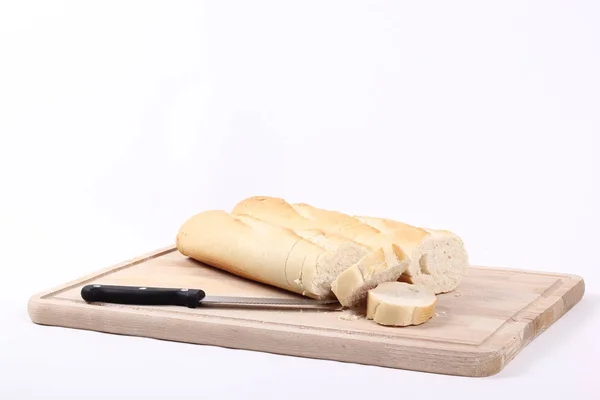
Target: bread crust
x=302, y=216
x=256, y=250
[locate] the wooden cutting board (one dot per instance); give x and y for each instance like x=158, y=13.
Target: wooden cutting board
x=476, y=330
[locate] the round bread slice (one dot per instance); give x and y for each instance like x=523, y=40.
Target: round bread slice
x=400, y=304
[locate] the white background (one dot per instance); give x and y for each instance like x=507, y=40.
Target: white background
x=119, y=119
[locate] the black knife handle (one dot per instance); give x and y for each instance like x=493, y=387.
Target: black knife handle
x=141, y=295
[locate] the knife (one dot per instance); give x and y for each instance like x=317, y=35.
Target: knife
x=192, y=298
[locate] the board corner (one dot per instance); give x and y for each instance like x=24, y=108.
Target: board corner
x=35, y=307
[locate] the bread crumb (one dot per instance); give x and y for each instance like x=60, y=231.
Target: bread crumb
x=349, y=317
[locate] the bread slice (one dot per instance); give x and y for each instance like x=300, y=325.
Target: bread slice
x=267, y=253
x=439, y=259
x=400, y=304
x=382, y=265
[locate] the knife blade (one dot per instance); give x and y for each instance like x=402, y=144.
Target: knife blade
x=192, y=298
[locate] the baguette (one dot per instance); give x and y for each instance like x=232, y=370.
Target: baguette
x=436, y=259
x=400, y=304
x=268, y=253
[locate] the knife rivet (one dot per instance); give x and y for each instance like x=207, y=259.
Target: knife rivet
x=96, y=285
x=184, y=290
x=142, y=288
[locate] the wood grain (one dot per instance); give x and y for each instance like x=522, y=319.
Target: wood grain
x=476, y=331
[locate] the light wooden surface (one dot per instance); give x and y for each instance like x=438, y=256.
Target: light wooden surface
x=476, y=331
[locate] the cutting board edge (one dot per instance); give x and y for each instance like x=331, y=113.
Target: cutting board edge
x=475, y=361
x=209, y=332
x=509, y=341
x=469, y=362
